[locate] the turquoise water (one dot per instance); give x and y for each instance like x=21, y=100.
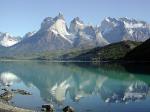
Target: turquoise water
x=87, y=88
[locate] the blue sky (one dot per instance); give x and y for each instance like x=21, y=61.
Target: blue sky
x=21, y=16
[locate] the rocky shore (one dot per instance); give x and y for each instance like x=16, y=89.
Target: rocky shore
x=48, y=108
x=8, y=108
x=6, y=96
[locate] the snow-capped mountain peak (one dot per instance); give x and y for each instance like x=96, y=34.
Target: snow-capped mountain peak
x=55, y=35
x=108, y=24
x=59, y=16
x=47, y=22
x=57, y=25
x=115, y=30
x=78, y=21
x=76, y=25
x=7, y=40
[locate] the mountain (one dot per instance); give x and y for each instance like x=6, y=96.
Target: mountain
x=6, y=40
x=115, y=30
x=140, y=53
x=86, y=35
x=54, y=35
x=51, y=36
x=76, y=25
x=29, y=34
x=115, y=51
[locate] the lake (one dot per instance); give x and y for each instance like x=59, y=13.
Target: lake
x=85, y=87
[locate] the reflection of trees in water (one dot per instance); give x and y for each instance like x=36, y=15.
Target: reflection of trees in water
x=58, y=82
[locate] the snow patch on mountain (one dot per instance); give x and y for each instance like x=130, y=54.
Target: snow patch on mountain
x=63, y=36
x=76, y=25
x=6, y=40
x=115, y=30
x=86, y=35
x=132, y=25
x=54, y=34
x=60, y=27
x=58, y=24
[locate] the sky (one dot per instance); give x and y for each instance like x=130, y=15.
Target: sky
x=21, y=16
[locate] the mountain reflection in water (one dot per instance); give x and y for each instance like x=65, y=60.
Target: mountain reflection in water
x=86, y=88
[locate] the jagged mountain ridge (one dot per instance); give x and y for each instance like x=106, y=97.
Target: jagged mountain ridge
x=86, y=34
x=54, y=35
x=116, y=30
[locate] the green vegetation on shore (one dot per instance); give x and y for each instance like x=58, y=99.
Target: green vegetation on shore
x=140, y=53
x=115, y=51
x=112, y=52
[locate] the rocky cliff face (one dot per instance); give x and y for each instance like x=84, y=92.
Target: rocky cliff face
x=55, y=35
x=115, y=30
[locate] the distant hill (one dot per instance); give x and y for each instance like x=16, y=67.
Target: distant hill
x=110, y=52
x=140, y=53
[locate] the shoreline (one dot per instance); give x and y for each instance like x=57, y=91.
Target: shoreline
x=9, y=108
x=78, y=61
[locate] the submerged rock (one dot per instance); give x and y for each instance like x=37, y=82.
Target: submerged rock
x=68, y=109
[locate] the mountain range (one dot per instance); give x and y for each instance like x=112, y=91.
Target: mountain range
x=116, y=30
x=54, y=35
